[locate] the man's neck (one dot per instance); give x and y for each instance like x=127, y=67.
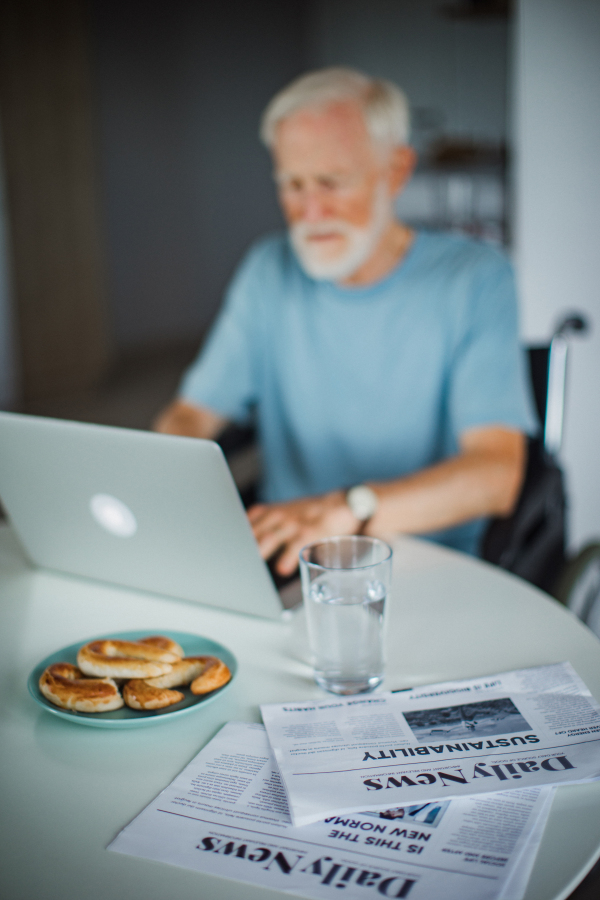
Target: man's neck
x=391, y=250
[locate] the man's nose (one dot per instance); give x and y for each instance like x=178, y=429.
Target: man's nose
x=314, y=207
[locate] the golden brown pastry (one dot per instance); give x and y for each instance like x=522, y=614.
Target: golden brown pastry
x=124, y=659
x=182, y=672
x=138, y=694
x=65, y=686
x=214, y=676
x=163, y=643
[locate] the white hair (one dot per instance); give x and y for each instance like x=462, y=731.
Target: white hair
x=385, y=106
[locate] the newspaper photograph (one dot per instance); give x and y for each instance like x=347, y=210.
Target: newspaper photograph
x=524, y=728
x=226, y=814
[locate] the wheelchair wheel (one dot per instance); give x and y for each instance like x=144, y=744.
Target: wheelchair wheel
x=579, y=586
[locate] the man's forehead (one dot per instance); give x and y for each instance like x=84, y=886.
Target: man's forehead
x=333, y=136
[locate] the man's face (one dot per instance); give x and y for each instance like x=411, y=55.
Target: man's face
x=334, y=187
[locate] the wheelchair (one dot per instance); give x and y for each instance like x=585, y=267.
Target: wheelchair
x=531, y=542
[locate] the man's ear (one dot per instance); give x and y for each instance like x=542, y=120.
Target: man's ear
x=401, y=165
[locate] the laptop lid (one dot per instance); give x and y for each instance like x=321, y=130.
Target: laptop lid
x=148, y=511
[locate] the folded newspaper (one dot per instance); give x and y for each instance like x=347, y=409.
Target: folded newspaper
x=226, y=814
x=527, y=728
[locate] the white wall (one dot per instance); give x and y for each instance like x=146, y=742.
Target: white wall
x=557, y=206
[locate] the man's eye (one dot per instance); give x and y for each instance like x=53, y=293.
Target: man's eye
x=330, y=184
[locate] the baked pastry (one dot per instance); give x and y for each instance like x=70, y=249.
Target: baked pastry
x=206, y=673
x=65, y=686
x=163, y=643
x=153, y=664
x=125, y=659
x=214, y=676
x=138, y=694
x=182, y=672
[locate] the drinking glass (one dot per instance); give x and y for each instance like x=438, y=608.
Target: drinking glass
x=345, y=583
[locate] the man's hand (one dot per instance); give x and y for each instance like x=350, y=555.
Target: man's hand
x=288, y=527
x=483, y=479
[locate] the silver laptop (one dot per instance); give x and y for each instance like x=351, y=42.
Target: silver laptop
x=147, y=511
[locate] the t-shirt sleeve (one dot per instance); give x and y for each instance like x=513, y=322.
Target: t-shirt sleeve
x=489, y=382
x=224, y=375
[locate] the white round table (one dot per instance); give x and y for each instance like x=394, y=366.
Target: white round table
x=66, y=790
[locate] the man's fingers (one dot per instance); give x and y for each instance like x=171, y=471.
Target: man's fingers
x=269, y=545
x=271, y=522
x=268, y=519
x=256, y=512
x=288, y=561
x=271, y=541
x=289, y=526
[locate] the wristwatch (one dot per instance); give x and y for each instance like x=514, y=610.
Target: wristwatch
x=362, y=501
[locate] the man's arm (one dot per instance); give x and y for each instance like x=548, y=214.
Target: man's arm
x=483, y=479
x=188, y=420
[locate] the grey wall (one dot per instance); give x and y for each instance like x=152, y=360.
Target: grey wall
x=180, y=88
x=186, y=184
x=454, y=72
x=454, y=67
x=557, y=91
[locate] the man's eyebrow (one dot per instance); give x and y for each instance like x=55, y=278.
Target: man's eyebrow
x=280, y=177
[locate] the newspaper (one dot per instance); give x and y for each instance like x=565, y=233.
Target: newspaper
x=517, y=729
x=226, y=814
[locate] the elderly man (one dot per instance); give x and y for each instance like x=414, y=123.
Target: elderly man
x=381, y=365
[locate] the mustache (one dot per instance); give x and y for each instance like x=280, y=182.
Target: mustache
x=306, y=230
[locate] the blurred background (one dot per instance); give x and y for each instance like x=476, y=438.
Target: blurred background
x=133, y=179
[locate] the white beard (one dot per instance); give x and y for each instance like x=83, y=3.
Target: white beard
x=360, y=243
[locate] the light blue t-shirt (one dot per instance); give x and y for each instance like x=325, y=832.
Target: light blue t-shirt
x=371, y=383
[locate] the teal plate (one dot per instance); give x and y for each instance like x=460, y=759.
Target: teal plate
x=192, y=644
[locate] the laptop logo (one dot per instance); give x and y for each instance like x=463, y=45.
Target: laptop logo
x=113, y=515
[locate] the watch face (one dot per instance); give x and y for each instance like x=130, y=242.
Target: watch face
x=362, y=501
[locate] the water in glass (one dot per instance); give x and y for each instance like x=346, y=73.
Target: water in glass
x=345, y=625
